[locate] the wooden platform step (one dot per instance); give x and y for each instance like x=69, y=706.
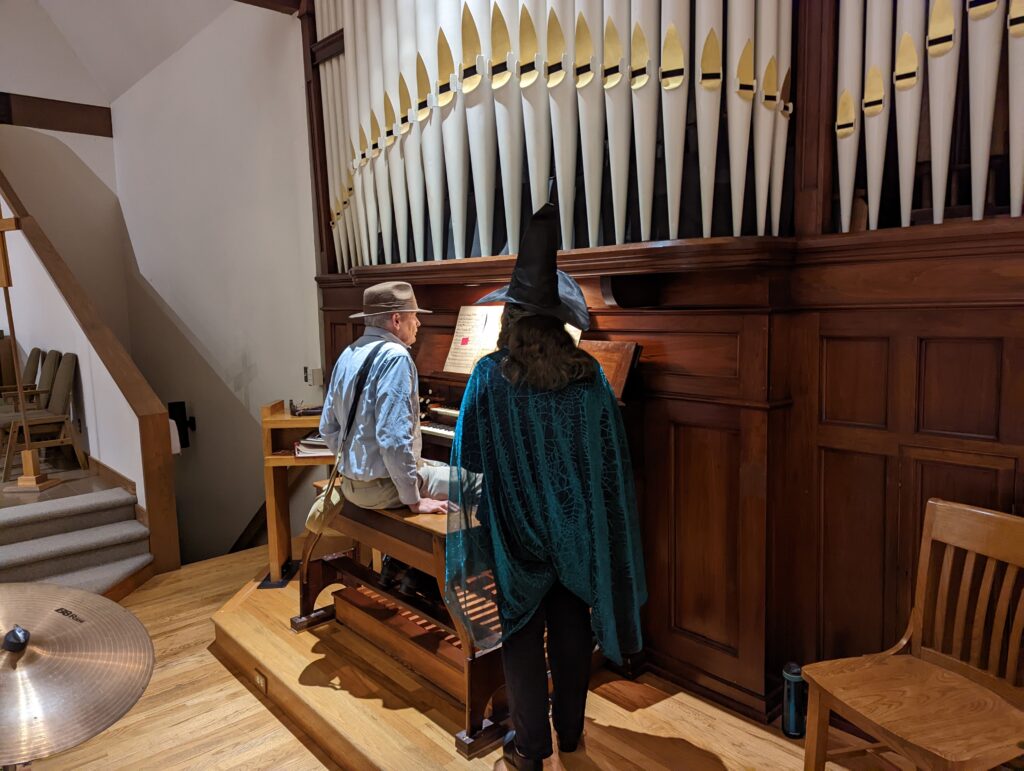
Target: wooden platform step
x=367, y=711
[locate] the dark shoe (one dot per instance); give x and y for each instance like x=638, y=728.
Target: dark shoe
x=566, y=746
x=416, y=583
x=514, y=759
x=391, y=571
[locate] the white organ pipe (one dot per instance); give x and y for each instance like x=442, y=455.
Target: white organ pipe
x=508, y=112
x=378, y=124
x=908, y=83
x=985, y=24
x=394, y=126
x=643, y=78
x=355, y=149
x=1015, y=85
x=361, y=58
x=412, y=139
x=589, y=56
x=561, y=47
x=452, y=106
x=741, y=87
x=618, y=107
x=536, y=111
x=343, y=157
x=430, y=121
x=942, y=42
x=675, y=69
x=848, y=97
x=476, y=57
x=707, y=57
x=330, y=137
x=344, y=169
x=781, y=138
x=766, y=104
x=877, y=98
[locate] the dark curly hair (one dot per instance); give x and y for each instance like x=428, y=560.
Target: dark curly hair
x=541, y=353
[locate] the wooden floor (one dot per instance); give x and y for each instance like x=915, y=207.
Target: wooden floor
x=198, y=714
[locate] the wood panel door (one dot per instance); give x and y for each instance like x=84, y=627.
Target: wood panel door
x=704, y=528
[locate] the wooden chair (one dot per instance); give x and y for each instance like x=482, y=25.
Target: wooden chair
x=9, y=393
x=955, y=698
x=53, y=423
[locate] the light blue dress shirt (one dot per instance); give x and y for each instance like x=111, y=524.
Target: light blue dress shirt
x=385, y=440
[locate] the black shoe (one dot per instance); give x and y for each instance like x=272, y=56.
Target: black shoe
x=391, y=571
x=566, y=746
x=514, y=759
x=416, y=583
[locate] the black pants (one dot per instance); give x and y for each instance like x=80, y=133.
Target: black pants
x=570, y=644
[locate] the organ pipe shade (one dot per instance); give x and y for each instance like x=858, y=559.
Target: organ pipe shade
x=673, y=60
x=640, y=59
x=711, y=63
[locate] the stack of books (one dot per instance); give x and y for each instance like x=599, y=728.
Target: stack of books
x=313, y=446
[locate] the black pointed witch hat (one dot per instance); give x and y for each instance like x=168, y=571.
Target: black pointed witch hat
x=537, y=285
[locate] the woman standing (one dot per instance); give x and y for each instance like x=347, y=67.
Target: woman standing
x=543, y=515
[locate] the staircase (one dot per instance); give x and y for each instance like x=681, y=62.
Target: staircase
x=90, y=541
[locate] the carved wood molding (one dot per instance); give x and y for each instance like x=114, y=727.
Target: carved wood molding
x=957, y=264
x=683, y=256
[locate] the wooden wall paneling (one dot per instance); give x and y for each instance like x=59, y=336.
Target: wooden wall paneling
x=855, y=381
x=959, y=386
x=814, y=64
x=706, y=488
x=853, y=490
x=977, y=479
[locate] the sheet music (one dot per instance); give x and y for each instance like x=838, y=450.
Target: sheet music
x=476, y=335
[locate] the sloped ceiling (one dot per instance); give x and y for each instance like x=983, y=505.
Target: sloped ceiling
x=120, y=41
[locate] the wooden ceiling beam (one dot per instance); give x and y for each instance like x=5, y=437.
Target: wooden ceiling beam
x=290, y=7
x=55, y=115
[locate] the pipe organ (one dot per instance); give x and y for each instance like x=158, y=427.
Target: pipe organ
x=447, y=123
x=798, y=397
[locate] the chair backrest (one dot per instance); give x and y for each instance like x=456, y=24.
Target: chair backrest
x=969, y=604
x=63, y=383
x=6, y=362
x=31, y=366
x=46, y=375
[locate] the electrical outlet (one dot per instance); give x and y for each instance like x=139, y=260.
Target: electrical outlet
x=316, y=377
x=261, y=681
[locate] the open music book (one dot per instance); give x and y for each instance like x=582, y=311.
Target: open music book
x=476, y=335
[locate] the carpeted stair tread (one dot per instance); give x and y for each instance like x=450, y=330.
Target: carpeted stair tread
x=65, y=545
x=85, y=503
x=100, y=578
x=80, y=512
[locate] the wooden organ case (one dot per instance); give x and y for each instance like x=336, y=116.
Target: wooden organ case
x=797, y=401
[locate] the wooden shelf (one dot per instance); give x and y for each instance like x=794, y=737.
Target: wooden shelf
x=285, y=458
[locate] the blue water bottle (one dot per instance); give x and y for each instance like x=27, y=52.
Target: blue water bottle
x=794, y=701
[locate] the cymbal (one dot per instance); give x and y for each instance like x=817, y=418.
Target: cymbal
x=86, y=662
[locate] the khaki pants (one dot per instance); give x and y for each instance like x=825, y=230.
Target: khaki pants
x=382, y=494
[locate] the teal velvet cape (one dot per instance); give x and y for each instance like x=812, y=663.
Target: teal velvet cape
x=541, y=491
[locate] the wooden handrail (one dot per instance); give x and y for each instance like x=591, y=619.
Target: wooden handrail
x=157, y=463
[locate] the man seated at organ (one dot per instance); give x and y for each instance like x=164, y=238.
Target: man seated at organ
x=371, y=422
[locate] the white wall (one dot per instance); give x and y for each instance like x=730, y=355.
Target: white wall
x=212, y=171
x=36, y=60
x=43, y=320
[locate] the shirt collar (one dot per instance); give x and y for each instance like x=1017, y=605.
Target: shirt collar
x=383, y=334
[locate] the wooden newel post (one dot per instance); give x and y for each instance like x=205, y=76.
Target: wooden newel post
x=32, y=479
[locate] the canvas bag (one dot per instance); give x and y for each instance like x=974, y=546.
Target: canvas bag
x=329, y=502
